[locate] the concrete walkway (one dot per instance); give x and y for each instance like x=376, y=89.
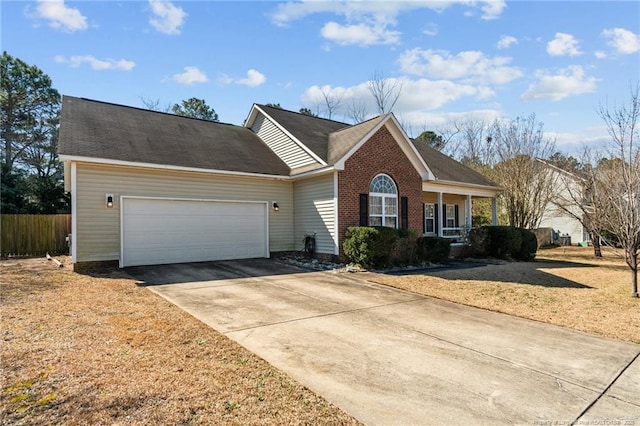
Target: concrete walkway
x=389, y=357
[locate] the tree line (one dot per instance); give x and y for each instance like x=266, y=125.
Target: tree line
x=32, y=175
x=600, y=188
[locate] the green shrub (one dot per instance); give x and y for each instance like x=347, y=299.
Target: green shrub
x=370, y=246
x=503, y=242
x=529, y=245
x=406, y=249
x=478, y=240
x=433, y=249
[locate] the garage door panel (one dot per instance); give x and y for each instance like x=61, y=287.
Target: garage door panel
x=159, y=231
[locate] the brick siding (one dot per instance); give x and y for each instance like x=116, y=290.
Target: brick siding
x=380, y=154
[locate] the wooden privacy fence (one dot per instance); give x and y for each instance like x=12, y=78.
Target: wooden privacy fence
x=34, y=235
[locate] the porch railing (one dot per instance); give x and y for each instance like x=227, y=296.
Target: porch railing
x=459, y=234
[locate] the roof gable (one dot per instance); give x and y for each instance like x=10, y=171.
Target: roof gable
x=334, y=142
x=309, y=131
x=93, y=129
x=343, y=140
x=372, y=126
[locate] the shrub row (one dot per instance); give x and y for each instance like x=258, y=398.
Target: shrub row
x=375, y=247
x=503, y=242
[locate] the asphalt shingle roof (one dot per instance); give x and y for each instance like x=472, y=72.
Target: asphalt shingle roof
x=313, y=132
x=343, y=140
x=114, y=132
x=448, y=169
x=331, y=140
x=102, y=130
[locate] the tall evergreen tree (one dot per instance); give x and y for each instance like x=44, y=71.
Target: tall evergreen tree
x=30, y=113
x=195, y=108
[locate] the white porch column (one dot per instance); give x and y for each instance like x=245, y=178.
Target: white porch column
x=467, y=209
x=494, y=211
x=440, y=214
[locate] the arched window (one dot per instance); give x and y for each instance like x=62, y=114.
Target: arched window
x=383, y=202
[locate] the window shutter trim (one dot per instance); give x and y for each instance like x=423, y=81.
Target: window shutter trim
x=404, y=212
x=364, y=209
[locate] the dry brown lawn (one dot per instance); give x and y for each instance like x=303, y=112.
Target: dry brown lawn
x=80, y=349
x=565, y=286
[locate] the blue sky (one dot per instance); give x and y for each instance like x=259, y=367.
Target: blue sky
x=456, y=60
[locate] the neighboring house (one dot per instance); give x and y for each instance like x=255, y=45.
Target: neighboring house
x=568, y=204
x=152, y=188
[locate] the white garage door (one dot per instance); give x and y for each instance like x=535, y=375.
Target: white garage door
x=159, y=231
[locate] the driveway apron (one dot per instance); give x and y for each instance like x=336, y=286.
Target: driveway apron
x=390, y=357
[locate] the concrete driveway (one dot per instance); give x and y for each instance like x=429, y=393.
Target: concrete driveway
x=390, y=357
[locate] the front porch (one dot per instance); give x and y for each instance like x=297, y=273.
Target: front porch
x=448, y=210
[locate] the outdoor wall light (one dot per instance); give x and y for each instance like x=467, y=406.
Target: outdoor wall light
x=276, y=207
x=109, y=200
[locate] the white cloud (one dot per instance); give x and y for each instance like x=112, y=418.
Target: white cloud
x=96, y=64
x=471, y=66
x=418, y=121
x=599, y=54
x=381, y=10
x=166, y=17
x=568, y=82
x=415, y=95
x=423, y=94
x=595, y=137
x=191, y=75
x=506, y=41
x=60, y=16
x=430, y=30
x=563, y=45
x=253, y=79
x=360, y=34
x=623, y=41
x=493, y=9
x=369, y=22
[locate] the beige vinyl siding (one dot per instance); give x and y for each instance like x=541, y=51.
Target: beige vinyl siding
x=448, y=199
x=98, y=227
x=288, y=150
x=432, y=197
x=315, y=212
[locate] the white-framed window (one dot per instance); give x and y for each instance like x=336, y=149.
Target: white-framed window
x=451, y=216
x=383, y=202
x=429, y=218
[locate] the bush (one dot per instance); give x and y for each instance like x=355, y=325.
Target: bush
x=433, y=249
x=478, y=240
x=406, y=250
x=503, y=242
x=529, y=245
x=370, y=247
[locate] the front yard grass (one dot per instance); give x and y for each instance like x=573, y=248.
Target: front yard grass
x=79, y=349
x=565, y=286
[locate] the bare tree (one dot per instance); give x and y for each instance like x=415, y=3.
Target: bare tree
x=618, y=178
x=356, y=110
x=385, y=91
x=528, y=185
x=154, y=104
x=332, y=101
x=576, y=190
